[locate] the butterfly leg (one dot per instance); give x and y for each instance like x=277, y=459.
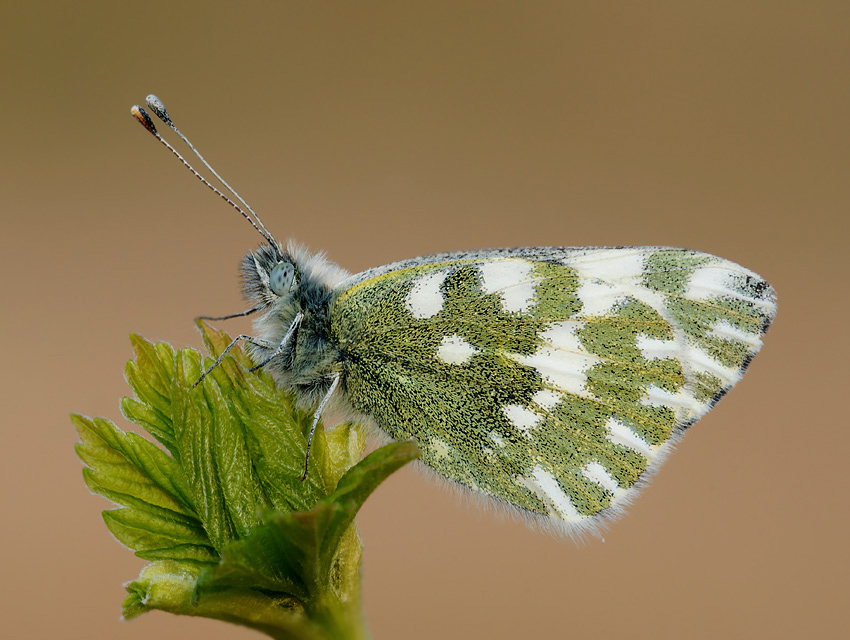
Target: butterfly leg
x=218, y=361
x=316, y=417
x=289, y=333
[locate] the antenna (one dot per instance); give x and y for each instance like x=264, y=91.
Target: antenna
x=156, y=105
x=159, y=109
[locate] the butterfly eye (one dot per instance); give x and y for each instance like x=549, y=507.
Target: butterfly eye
x=280, y=279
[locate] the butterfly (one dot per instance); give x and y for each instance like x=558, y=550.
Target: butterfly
x=550, y=381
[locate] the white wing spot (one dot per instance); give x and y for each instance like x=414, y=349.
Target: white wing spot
x=710, y=282
x=566, y=373
x=563, y=362
x=657, y=349
x=598, y=298
x=497, y=439
x=610, y=264
x=425, y=298
x=511, y=279
x=440, y=448
x=562, y=335
x=725, y=330
x=595, y=472
x=521, y=417
x=607, y=278
x=722, y=279
x=682, y=402
x=542, y=484
x=547, y=399
x=618, y=433
x=455, y=350
x=699, y=360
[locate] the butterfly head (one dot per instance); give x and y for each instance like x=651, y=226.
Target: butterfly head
x=269, y=274
x=288, y=276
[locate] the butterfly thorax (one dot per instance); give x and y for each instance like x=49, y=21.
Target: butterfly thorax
x=311, y=356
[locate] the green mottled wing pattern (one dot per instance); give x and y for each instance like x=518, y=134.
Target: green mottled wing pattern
x=552, y=380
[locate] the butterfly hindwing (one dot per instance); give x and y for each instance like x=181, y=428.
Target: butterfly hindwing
x=550, y=379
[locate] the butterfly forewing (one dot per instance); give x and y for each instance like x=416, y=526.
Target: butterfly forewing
x=552, y=378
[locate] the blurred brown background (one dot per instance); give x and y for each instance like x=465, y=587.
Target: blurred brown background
x=383, y=130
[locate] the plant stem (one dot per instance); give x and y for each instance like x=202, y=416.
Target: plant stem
x=339, y=620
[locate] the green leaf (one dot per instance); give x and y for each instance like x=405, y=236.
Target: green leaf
x=150, y=379
x=156, y=535
x=124, y=464
x=199, y=423
x=356, y=485
x=217, y=341
x=232, y=530
x=294, y=552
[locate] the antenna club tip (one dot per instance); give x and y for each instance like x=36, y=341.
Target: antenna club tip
x=142, y=116
x=156, y=105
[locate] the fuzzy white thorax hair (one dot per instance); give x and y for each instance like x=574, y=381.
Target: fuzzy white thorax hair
x=315, y=265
